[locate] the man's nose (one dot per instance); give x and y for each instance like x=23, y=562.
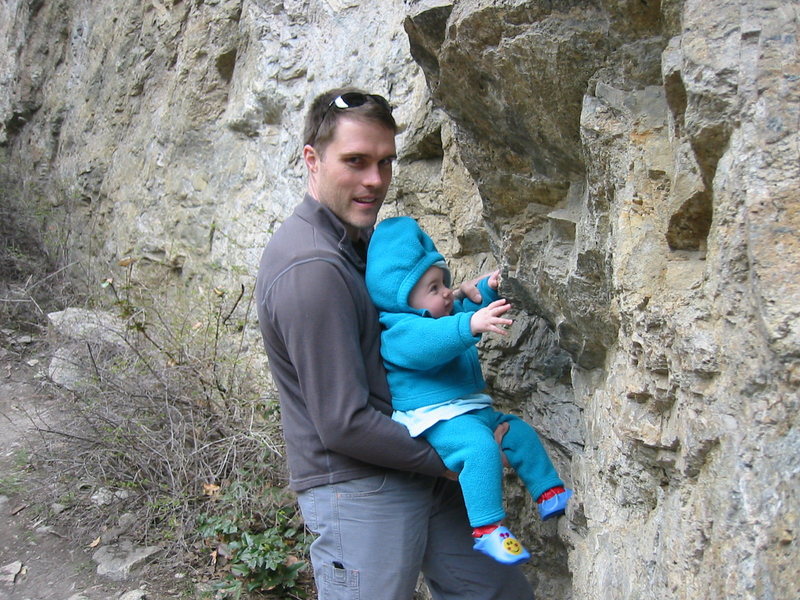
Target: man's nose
x=372, y=176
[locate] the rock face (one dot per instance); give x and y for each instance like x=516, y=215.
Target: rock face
x=631, y=165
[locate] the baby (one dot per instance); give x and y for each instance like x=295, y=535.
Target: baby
x=428, y=345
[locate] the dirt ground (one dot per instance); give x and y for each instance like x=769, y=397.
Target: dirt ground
x=38, y=558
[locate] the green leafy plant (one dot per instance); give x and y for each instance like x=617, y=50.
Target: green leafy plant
x=259, y=554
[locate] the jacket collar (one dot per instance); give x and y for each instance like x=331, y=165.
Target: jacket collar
x=323, y=220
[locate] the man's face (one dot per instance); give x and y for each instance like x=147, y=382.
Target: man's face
x=432, y=294
x=353, y=174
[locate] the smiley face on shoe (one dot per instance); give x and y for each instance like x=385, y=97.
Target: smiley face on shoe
x=512, y=546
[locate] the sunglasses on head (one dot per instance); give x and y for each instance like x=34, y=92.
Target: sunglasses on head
x=354, y=99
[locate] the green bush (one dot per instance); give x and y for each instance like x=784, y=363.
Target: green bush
x=264, y=554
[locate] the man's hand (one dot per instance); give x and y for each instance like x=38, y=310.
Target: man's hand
x=494, y=280
x=489, y=319
x=499, y=434
x=469, y=289
x=451, y=475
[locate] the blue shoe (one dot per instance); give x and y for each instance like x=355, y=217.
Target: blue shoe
x=555, y=506
x=502, y=546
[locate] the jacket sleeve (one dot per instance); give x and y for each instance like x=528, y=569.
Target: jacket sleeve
x=319, y=320
x=419, y=343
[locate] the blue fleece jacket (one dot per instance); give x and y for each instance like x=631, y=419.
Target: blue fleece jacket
x=427, y=360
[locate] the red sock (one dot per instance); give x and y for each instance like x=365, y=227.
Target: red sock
x=483, y=530
x=550, y=493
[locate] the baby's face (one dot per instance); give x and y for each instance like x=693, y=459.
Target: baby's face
x=432, y=294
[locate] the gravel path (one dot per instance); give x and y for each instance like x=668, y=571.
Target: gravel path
x=38, y=561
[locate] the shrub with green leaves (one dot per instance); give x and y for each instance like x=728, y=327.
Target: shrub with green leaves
x=259, y=553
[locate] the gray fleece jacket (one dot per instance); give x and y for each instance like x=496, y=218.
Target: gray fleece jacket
x=322, y=337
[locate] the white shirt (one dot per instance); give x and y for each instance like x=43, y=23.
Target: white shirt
x=418, y=420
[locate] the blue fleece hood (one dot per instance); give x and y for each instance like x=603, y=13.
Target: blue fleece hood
x=399, y=254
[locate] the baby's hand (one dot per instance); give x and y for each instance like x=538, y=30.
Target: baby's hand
x=494, y=280
x=488, y=319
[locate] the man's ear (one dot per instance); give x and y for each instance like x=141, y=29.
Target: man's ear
x=311, y=158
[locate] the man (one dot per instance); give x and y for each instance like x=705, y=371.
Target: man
x=376, y=498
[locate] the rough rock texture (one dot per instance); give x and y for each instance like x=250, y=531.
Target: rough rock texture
x=631, y=165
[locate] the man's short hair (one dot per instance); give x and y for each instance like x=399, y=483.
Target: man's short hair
x=323, y=115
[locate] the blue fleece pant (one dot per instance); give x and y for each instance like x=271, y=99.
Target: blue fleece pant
x=467, y=446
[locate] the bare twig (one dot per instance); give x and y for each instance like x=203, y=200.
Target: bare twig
x=235, y=304
x=71, y=436
x=94, y=362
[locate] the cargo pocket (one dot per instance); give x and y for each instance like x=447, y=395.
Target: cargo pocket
x=340, y=583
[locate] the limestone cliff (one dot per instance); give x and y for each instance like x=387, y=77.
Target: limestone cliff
x=631, y=165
